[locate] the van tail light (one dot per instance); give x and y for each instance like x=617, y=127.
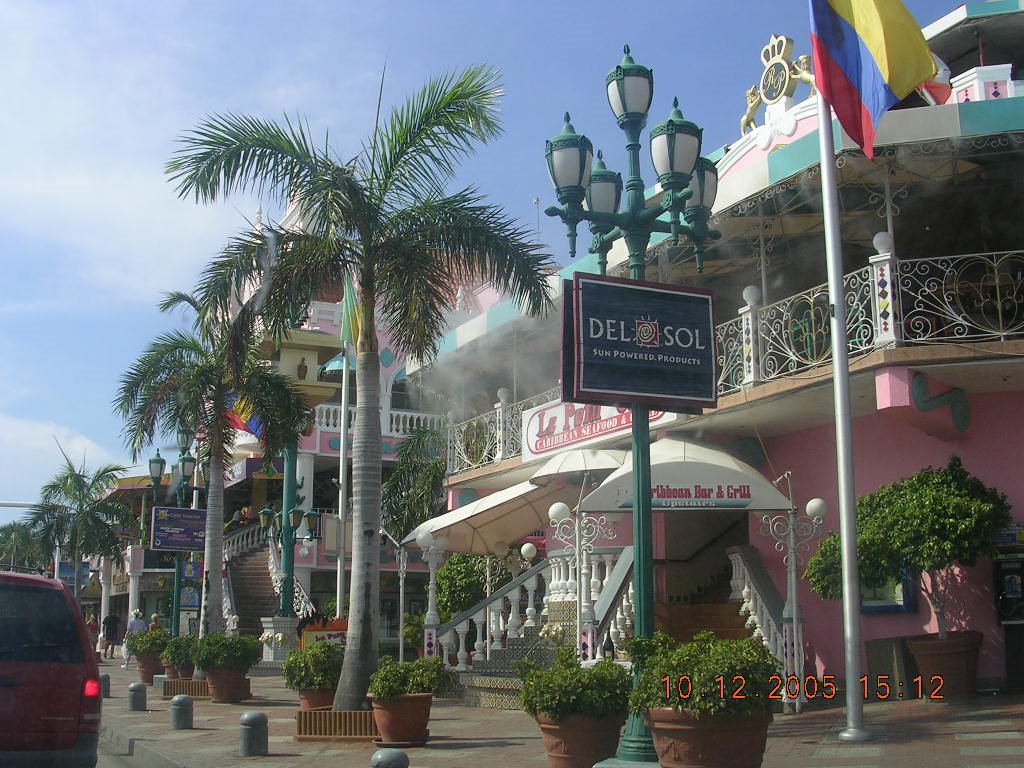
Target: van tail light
x=92, y=705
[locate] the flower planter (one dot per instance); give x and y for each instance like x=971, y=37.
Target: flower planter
x=227, y=686
x=316, y=698
x=403, y=719
x=578, y=741
x=179, y=673
x=951, y=663
x=711, y=741
x=149, y=665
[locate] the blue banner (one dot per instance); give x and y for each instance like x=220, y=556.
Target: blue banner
x=646, y=343
x=176, y=529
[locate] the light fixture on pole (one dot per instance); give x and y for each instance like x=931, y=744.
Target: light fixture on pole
x=434, y=548
x=403, y=563
x=157, y=464
x=792, y=532
x=630, y=89
x=281, y=528
x=183, y=470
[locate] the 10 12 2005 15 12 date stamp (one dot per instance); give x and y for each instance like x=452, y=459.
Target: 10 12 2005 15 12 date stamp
x=779, y=688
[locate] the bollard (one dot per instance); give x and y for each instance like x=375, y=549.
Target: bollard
x=389, y=758
x=181, y=713
x=158, y=683
x=253, y=735
x=137, y=697
x=105, y=685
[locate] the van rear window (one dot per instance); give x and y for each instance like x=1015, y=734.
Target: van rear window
x=36, y=625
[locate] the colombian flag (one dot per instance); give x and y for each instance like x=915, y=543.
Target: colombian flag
x=868, y=56
x=240, y=416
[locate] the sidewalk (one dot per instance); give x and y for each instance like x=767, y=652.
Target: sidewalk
x=989, y=731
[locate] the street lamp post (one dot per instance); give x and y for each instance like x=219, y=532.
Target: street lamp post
x=690, y=184
x=282, y=527
x=157, y=464
x=186, y=465
x=434, y=548
x=403, y=563
x=792, y=533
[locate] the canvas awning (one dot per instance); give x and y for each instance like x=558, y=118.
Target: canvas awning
x=687, y=475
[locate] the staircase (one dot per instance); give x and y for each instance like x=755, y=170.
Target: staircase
x=493, y=683
x=254, y=590
x=708, y=609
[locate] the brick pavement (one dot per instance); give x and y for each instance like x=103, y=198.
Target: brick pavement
x=989, y=731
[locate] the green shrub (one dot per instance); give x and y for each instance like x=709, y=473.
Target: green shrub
x=153, y=641
x=708, y=676
x=421, y=676
x=219, y=651
x=180, y=651
x=318, y=665
x=601, y=690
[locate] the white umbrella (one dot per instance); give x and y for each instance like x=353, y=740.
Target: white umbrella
x=573, y=464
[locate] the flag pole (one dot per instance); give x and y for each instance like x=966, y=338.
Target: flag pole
x=854, y=730
x=342, y=482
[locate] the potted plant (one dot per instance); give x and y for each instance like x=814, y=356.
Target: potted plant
x=580, y=710
x=707, y=702
x=177, y=657
x=401, y=695
x=147, y=647
x=314, y=673
x=226, y=659
x=929, y=523
x=412, y=631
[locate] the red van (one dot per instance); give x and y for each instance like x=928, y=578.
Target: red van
x=49, y=682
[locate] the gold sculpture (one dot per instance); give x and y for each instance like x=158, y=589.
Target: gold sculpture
x=801, y=71
x=753, y=103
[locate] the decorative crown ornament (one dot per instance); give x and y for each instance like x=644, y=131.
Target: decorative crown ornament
x=776, y=80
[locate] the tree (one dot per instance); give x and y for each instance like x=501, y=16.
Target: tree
x=75, y=511
x=20, y=547
x=414, y=491
x=928, y=522
x=385, y=218
x=190, y=380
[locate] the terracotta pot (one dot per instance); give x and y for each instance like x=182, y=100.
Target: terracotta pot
x=683, y=741
x=579, y=741
x=948, y=668
x=403, y=720
x=227, y=686
x=149, y=665
x=316, y=698
x=171, y=671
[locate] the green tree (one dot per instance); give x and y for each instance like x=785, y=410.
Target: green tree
x=414, y=491
x=385, y=218
x=190, y=380
x=20, y=547
x=75, y=511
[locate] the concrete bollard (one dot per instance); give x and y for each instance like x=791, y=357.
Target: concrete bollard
x=105, y=685
x=158, y=683
x=181, y=713
x=137, y=697
x=389, y=758
x=253, y=735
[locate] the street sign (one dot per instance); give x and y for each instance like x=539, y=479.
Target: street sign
x=177, y=529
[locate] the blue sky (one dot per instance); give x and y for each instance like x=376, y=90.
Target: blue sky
x=96, y=93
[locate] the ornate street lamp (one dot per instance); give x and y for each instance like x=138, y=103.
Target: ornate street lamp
x=675, y=147
x=157, y=464
x=403, y=563
x=281, y=527
x=184, y=468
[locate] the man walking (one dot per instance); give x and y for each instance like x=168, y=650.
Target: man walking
x=111, y=634
x=136, y=624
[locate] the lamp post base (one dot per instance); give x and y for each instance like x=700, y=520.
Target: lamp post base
x=636, y=745
x=275, y=625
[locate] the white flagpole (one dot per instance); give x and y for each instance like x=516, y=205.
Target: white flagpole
x=854, y=730
x=342, y=481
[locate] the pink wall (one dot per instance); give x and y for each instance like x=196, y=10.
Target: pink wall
x=888, y=445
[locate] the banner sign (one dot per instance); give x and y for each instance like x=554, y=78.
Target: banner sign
x=641, y=343
x=177, y=529
x=553, y=427
x=191, y=583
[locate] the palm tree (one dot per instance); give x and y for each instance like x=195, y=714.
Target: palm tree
x=76, y=512
x=20, y=547
x=190, y=380
x=384, y=218
x=414, y=491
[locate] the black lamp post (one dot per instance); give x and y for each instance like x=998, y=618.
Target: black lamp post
x=157, y=464
x=186, y=465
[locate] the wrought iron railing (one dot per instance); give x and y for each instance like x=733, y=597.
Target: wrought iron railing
x=729, y=338
x=473, y=443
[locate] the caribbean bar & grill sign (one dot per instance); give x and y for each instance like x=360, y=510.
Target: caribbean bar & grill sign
x=640, y=342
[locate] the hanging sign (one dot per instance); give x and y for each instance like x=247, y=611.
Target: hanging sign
x=641, y=343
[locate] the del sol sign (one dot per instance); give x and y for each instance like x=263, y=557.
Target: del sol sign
x=633, y=342
x=553, y=427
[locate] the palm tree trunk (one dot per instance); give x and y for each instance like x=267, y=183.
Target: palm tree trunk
x=212, y=618
x=364, y=588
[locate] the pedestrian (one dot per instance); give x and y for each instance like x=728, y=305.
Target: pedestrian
x=111, y=634
x=94, y=630
x=154, y=622
x=135, y=625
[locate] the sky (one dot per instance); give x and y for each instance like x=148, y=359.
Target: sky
x=97, y=94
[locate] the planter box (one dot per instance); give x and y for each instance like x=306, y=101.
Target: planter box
x=328, y=725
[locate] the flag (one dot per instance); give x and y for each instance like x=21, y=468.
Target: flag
x=937, y=90
x=240, y=416
x=349, y=314
x=868, y=56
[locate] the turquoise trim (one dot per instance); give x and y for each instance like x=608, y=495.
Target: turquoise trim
x=996, y=116
x=798, y=155
x=993, y=7
x=503, y=313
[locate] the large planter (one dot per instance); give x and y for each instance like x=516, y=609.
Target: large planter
x=316, y=698
x=179, y=673
x=711, y=741
x=149, y=665
x=579, y=741
x=948, y=668
x=403, y=719
x=227, y=686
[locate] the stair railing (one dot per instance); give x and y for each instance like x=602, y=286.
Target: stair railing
x=301, y=603
x=228, y=602
x=613, y=610
x=244, y=539
x=490, y=612
x=762, y=604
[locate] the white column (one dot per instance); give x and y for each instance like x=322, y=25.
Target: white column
x=480, y=646
x=105, y=578
x=462, y=629
x=531, y=610
x=513, y=614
